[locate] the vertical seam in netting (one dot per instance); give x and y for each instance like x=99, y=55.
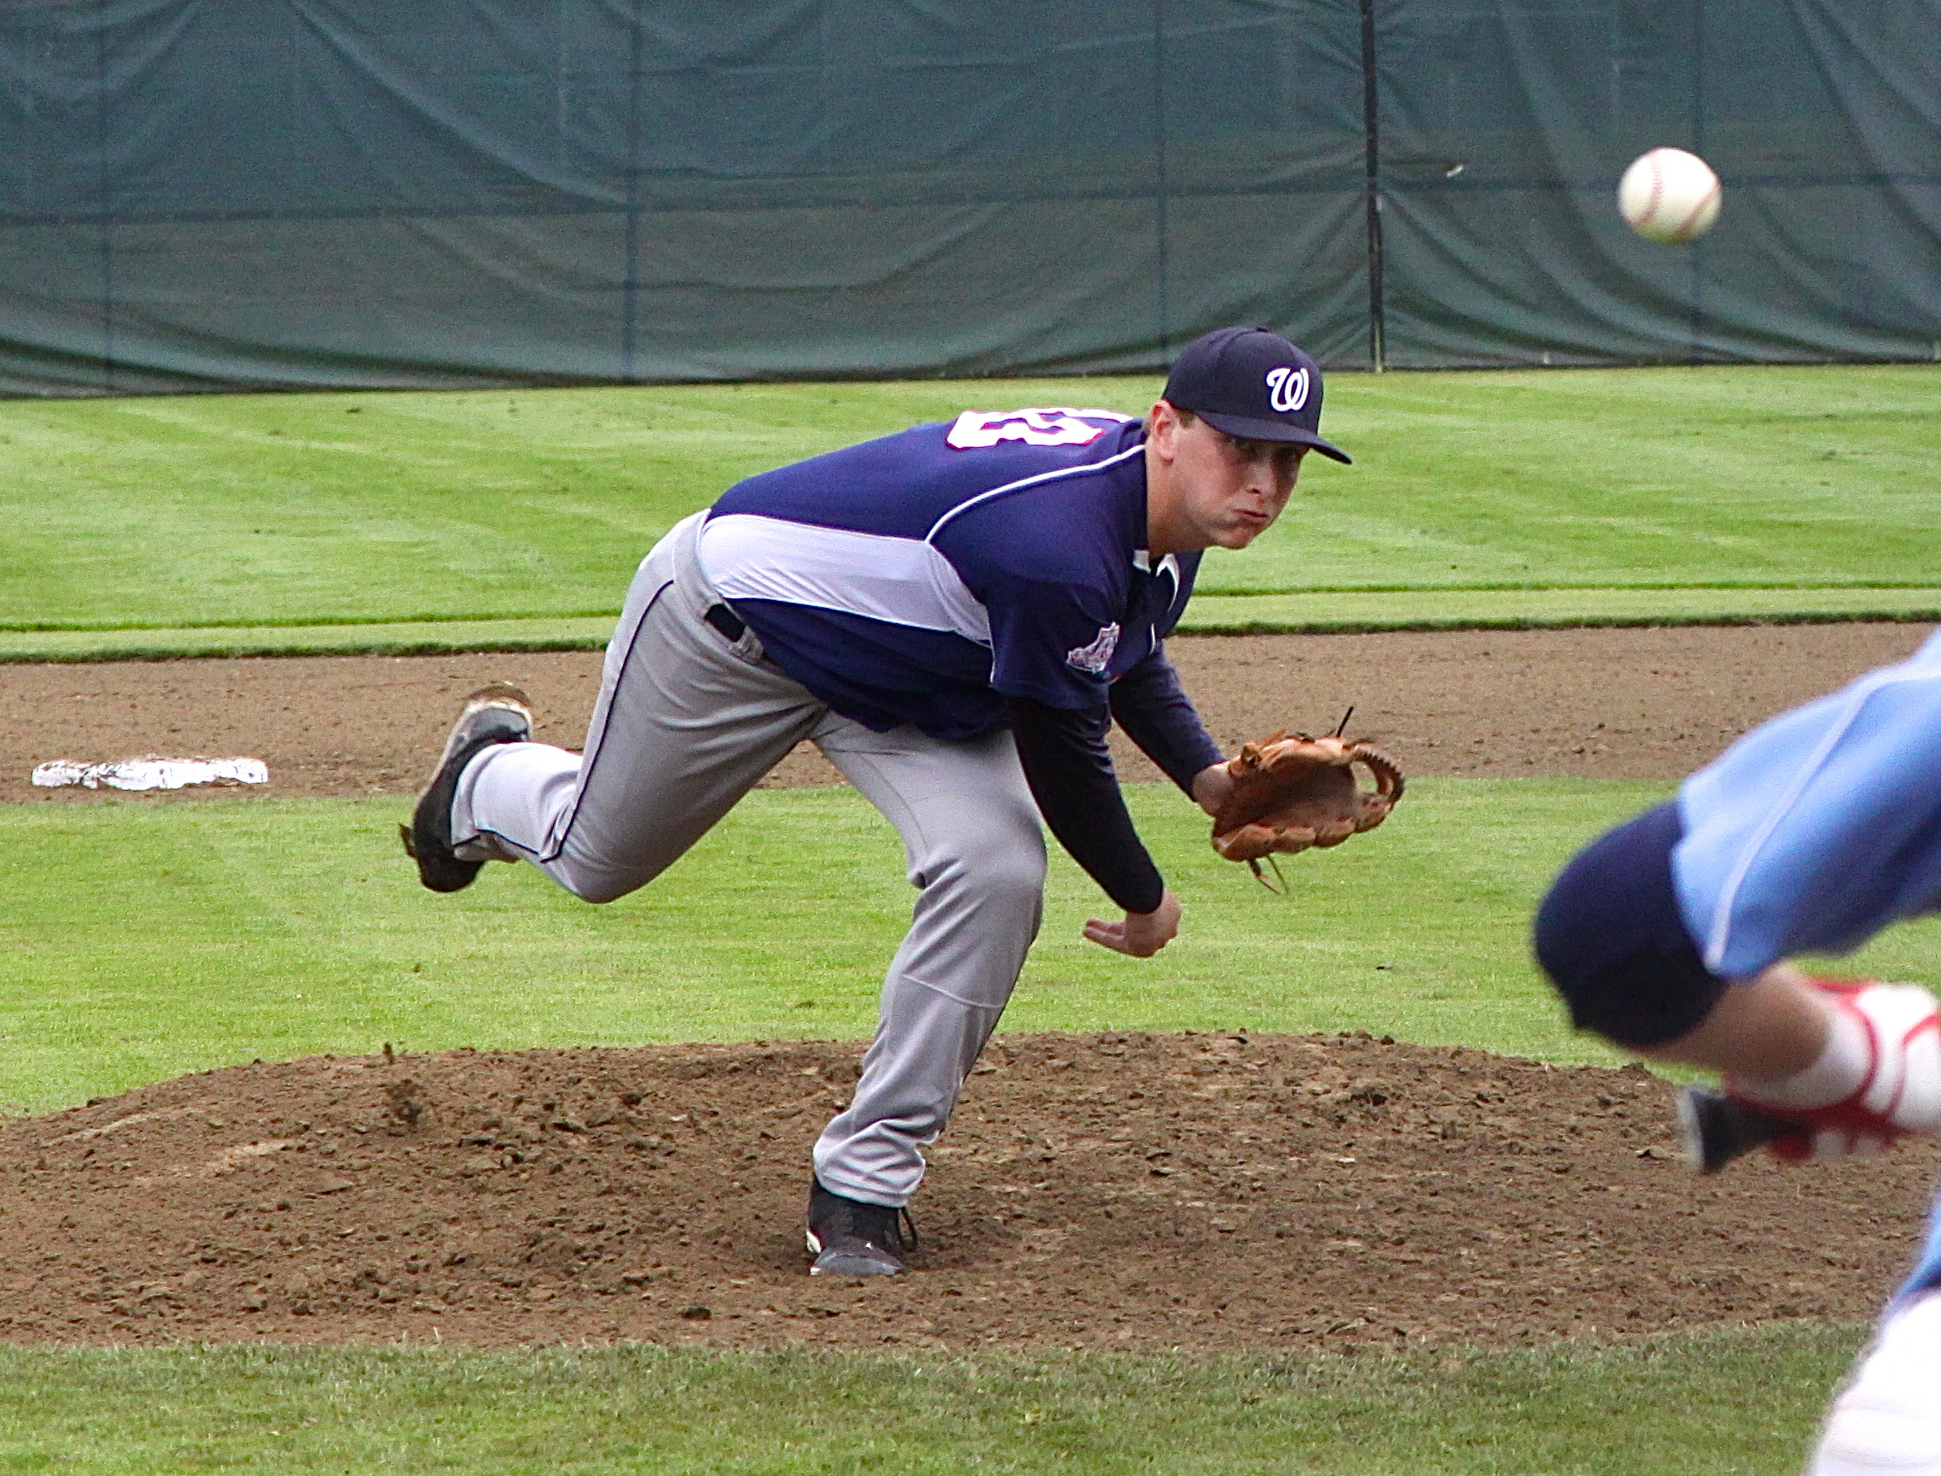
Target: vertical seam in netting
x=1698, y=147
x=1372, y=169
x=630, y=281
x=103, y=143
x=1161, y=185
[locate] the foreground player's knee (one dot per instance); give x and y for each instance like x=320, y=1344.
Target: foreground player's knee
x=1887, y=1419
x=1611, y=938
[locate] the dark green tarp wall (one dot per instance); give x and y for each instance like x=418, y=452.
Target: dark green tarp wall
x=214, y=194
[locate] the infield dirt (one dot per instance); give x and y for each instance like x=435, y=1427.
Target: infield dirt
x=1125, y=1191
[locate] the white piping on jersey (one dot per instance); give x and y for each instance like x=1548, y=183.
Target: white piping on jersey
x=1718, y=934
x=898, y=580
x=901, y=581
x=1084, y=469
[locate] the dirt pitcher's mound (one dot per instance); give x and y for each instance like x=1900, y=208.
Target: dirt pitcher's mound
x=1114, y=1191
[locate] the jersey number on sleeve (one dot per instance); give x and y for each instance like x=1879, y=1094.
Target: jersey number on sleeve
x=975, y=429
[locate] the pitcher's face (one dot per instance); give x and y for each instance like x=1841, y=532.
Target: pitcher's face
x=1215, y=490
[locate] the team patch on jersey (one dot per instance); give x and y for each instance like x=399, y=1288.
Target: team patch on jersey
x=977, y=429
x=1096, y=655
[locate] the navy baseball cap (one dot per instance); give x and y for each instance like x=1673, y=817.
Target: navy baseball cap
x=1253, y=384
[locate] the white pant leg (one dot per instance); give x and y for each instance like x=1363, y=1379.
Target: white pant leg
x=975, y=849
x=686, y=723
x=1888, y=1417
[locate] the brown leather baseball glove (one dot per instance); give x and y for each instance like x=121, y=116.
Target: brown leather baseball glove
x=1292, y=791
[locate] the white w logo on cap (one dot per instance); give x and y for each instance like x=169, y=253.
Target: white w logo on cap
x=1286, y=388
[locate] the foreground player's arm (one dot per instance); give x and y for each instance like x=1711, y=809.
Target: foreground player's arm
x=1820, y=827
x=1811, y=834
x=1069, y=769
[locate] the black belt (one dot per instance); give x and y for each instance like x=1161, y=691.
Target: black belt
x=726, y=621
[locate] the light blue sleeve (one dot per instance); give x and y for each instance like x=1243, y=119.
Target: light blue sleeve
x=1819, y=828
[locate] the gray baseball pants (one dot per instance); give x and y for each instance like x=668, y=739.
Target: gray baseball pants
x=686, y=723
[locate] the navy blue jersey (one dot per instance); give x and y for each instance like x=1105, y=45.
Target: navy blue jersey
x=926, y=577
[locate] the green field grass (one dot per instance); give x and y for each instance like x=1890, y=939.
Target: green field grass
x=1745, y=1406
x=234, y=929
x=146, y=939
x=217, y=524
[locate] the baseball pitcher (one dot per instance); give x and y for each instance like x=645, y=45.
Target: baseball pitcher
x=954, y=615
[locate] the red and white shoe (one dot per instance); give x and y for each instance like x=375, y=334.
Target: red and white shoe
x=1900, y=1092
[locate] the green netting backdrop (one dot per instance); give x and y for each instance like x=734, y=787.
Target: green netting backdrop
x=261, y=193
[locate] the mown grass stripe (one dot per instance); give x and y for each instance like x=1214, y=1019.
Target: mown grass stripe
x=413, y=638
x=1552, y=608
x=1315, y=613
x=280, y=510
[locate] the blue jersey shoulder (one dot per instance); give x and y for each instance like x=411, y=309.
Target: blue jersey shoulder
x=1819, y=828
x=903, y=486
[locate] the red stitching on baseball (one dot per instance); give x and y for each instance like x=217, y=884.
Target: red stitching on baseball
x=1699, y=209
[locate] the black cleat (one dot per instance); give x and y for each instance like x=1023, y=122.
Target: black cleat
x=850, y=1238
x=1717, y=1129
x=500, y=713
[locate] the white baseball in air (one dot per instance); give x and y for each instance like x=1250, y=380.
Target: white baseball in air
x=1669, y=196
